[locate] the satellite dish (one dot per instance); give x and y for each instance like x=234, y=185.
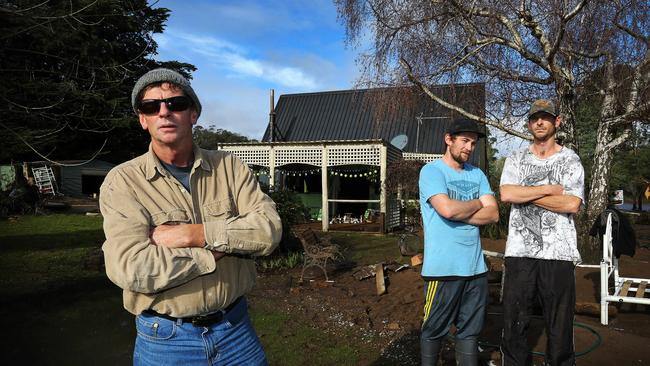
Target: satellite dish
x=399, y=141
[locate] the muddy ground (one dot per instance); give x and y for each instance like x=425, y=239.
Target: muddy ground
x=392, y=320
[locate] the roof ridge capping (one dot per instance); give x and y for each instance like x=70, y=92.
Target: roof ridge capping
x=377, y=89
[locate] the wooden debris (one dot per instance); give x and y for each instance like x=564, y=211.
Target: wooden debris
x=640, y=292
x=381, y=285
x=416, y=260
x=364, y=272
x=396, y=267
x=625, y=288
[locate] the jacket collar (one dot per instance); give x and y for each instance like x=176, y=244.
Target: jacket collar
x=154, y=167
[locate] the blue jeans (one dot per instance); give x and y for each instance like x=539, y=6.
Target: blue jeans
x=166, y=342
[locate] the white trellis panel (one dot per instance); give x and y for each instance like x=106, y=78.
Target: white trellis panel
x=393, y=218
x=299, y=155
x=421, y=156
x=354, y=154
x=251, y=155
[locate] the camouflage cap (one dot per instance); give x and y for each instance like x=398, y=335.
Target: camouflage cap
x=542, y=105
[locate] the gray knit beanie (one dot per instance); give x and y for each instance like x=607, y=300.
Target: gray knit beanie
x=164, y=75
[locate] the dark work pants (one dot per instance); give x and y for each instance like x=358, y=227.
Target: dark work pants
x=460, y=302
x=552, y=283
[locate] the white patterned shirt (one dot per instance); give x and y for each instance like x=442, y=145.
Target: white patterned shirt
x=533, y=231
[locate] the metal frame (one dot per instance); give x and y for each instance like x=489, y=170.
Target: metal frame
x=622, y=285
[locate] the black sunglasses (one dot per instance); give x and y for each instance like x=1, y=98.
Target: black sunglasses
x=174, y=104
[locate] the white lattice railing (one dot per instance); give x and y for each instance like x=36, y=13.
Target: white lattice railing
x=251, y=154
x=354, y=154
x=311, y=153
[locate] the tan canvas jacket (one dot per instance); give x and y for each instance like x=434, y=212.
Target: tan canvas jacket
x=225, y=197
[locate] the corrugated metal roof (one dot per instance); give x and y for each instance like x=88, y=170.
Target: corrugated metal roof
x=382, y=113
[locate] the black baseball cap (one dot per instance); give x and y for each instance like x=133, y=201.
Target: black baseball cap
x=464, y=125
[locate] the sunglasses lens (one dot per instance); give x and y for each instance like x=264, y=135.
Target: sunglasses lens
x=178, y=104
x=149, y=106
x=174, y=104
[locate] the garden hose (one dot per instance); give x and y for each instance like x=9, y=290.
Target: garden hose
x=591, y=348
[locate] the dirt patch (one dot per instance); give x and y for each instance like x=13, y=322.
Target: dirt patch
x=392, y=321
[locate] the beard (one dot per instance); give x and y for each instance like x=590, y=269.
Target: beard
x=460, y=157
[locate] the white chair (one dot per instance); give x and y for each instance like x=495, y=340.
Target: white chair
x=622, y=285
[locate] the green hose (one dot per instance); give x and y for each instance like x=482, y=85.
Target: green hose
x=595, y=345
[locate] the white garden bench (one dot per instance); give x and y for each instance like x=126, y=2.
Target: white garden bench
x=626, y=289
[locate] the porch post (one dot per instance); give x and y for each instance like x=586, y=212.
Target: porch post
x=272, y=168
x=325, y=216
x=383, y=156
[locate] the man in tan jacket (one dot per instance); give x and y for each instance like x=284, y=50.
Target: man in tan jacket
x=182, y=225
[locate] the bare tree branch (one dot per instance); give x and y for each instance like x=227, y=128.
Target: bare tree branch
x=453, y=107
x=45, y=156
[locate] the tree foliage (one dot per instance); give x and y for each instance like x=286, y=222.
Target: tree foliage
x=631, y=168
x=567, y=50
x=403, y=176
x=211, y=137
x=68, y=68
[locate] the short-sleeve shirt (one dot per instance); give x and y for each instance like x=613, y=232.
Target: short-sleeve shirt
x=451, y=248
x=533, y=231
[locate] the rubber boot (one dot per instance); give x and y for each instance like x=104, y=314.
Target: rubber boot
x=429, y=350
x=467, y=352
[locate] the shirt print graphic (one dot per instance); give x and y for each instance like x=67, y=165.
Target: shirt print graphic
x=534, y=222
x=462, y=190
x=539, y=228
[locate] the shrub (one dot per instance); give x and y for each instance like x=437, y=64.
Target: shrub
x=292, y=211
x=279, y=261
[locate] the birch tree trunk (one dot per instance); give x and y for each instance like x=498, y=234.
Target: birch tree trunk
x=596, y=197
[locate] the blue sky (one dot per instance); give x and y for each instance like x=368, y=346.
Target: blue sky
x=242, y=49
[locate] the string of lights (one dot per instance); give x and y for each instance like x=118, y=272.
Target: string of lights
x=346, y=173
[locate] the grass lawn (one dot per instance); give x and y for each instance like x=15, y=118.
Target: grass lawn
x=289, y=340
x=366, y=248
x=43, y=254
x=55, y=300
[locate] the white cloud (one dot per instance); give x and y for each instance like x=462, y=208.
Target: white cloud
x=233, y=59
x=245, y=66
x=234, y=107
x=243, y=48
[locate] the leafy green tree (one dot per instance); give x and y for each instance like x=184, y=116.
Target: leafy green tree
x=631, y=168
x=211, y=137
x=68, y=68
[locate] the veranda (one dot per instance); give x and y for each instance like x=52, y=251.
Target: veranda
x=352, y=173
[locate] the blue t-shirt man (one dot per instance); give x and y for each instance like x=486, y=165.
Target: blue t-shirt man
x=455, y=198
x=452, y=248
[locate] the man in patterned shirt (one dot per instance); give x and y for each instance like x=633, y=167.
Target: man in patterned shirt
x=544, y=182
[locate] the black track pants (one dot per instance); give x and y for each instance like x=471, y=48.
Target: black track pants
x=552, y=283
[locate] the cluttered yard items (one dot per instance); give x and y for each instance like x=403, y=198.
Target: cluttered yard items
x=317, y=251
x=45, y=180
x=623, y=286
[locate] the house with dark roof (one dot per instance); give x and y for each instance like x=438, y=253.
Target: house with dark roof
x=377, y=114
x=334, y=147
